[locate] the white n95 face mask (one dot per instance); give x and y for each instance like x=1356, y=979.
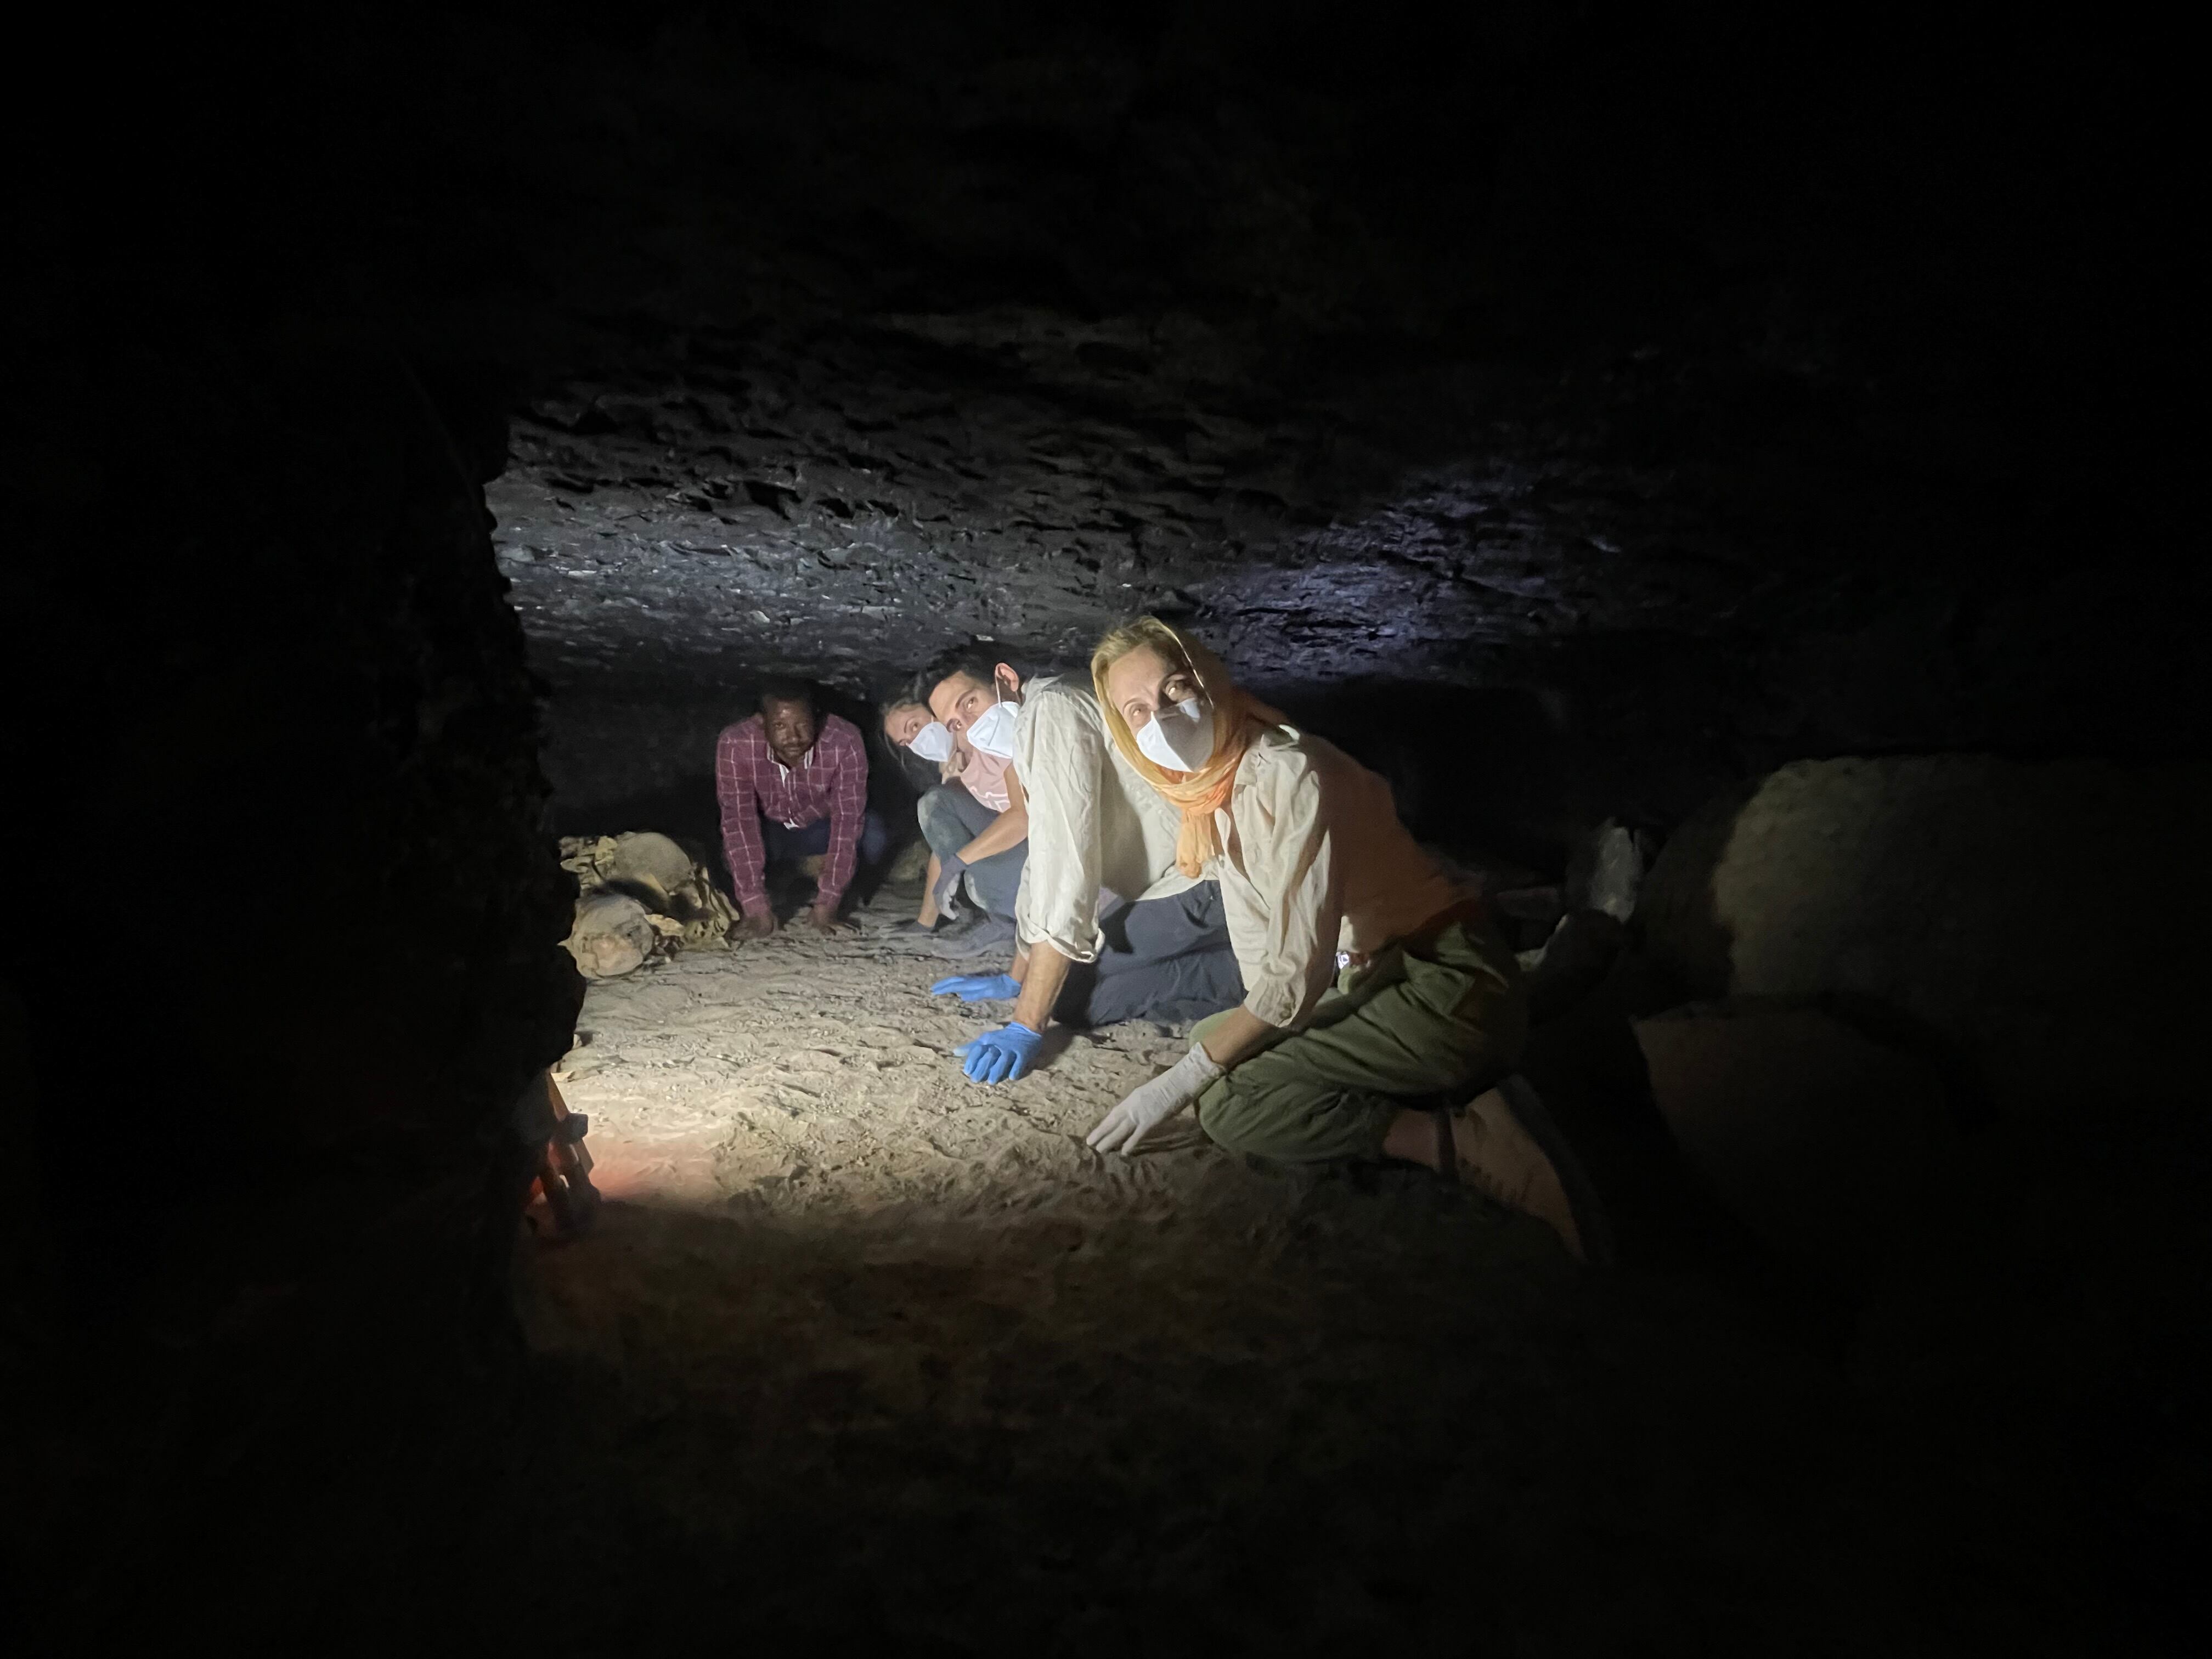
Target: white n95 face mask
x=1179, y=738
x=933, y=742
x=993, y=734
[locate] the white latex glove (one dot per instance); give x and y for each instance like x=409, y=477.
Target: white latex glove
x=1151, y=1104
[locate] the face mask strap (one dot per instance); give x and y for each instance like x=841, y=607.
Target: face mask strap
x=984, y=728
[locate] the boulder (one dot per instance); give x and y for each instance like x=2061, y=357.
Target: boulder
x=1827, y=1143
x=2036, y=930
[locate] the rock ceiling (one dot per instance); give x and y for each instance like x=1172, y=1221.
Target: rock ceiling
x=829, y=346
x=843, y=499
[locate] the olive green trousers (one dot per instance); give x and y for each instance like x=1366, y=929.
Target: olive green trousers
x=1447, y=1014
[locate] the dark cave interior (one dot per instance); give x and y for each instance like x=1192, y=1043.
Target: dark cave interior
x=1578, y=418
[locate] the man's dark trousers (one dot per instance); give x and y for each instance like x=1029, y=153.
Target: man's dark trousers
x=1167, y=959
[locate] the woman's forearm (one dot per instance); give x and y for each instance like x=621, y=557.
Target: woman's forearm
x=1242, y=1033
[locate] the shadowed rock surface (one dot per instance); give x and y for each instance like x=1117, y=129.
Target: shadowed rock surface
x=1577, y=415
x=2034, y=931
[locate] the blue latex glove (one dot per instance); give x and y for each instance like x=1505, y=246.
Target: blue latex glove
x=978, y=987
x=1000, y=1056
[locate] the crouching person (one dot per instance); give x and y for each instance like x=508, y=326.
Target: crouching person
x=1107, y=928
x=1382, y=1013
x=793, y=790
x=975, y=820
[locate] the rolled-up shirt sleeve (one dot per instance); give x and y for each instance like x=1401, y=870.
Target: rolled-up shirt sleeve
x=1059, y=755
x=1285, y=905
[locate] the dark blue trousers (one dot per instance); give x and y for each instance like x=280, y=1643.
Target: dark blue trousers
x=782, y=846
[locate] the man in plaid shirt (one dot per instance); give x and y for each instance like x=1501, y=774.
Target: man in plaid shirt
x=792, y=787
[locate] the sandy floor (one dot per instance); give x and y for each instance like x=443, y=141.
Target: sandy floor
x=797, y=1074
x=861, y=1347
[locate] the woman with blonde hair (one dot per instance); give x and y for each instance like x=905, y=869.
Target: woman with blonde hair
x=1384, y=1012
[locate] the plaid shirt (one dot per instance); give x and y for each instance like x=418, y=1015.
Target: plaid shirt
x=831, y=782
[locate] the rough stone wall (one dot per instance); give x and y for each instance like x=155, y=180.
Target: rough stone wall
x=1637, y=368
x=278, y=997
x=649, y=762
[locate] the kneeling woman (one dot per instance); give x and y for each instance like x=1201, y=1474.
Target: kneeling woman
x=1316, y=875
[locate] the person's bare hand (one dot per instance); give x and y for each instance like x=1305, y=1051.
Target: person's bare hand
x=755, y=924
x=822, y=918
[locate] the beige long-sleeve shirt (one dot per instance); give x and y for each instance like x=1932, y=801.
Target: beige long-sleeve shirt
x=1314, y=861
x=1093, y=822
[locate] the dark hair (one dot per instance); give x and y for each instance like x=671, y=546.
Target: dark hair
x=785, y=691
x=898, y=752
x=976, y=661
